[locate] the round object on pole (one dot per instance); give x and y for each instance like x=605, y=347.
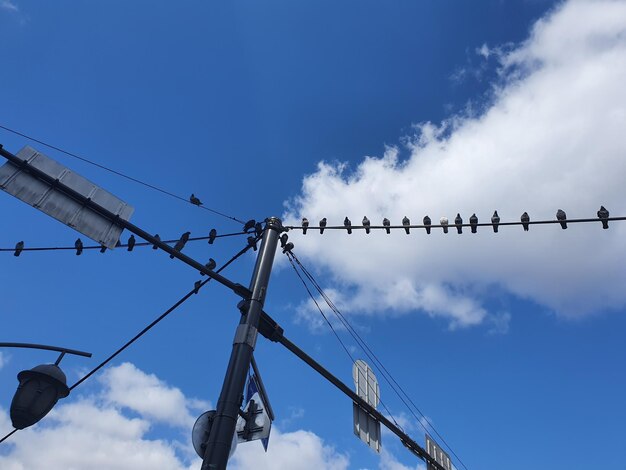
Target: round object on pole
x=202, y=429
x=39, y=390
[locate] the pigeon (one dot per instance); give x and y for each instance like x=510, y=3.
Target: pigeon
x=348, y=225
x=194, y=200
x=474, y=222
x=258, y=229
x=196, y=286
x=322, y=225
x=249, y=225
x=19, y=246
x=387, y=224
x=444, y=223
x=252, y=243
x=154, y=247
x=78, y=244
x=103, y=249
x=366, y=224
x=495, y=220
x=288, y=247
x=525, y=219
x=458, y=221
x=212, y=235
x=406, y=222
x=603, y=215
x=131, y=243
x=283, y=239
x=305, y=225
x=180, y=244
x=427, y=223
x=560, y=216
x=210, y=265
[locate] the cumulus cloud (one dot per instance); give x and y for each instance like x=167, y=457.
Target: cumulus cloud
x=550, y=137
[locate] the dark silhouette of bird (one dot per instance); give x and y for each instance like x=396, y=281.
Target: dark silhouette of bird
x=78, y=244
x=366, y=224
x=154, y=247
x=305, y=225
x=562, y=217
x=288, y=247
x=180, y=244
x=406, y=222
x=323, y=225
x=427, y=224
x=249, y=225
x=474, y=223
x=103, y=248
x=525, y=218
x=210, y=265
x=19, y=246
x=194, y=200
x=252, y=243
x=444, y=224
x=603, y=215
x=387, y=224
x=283, y=239
x=196, y=286
x=348, y=225
x=258, y=229
x=458, y=221
x=131, y=243
x=212, y=235
x=495, y=220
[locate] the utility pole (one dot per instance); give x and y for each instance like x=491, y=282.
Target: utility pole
x=231, y=396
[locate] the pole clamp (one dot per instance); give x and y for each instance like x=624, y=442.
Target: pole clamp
x=246, y=334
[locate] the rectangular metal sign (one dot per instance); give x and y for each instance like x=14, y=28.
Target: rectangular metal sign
x=366, y=427
x=438, y=454
x=48, y=199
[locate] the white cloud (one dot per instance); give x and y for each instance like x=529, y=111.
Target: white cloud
x=389, y=462
x=8, y=5
x=551, y=138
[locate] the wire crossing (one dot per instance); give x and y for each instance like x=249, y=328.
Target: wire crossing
x=191, y=200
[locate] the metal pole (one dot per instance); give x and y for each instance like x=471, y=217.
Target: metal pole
x=231, y=396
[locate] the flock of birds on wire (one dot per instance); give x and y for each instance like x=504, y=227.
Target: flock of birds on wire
x=561, y=217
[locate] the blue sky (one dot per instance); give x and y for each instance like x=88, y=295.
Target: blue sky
x=511, y=344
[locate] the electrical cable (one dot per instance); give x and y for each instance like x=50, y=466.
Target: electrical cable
x=377, y=363
x=289, y=255
x=130, y=178
x=99, y=247
x=147, y=328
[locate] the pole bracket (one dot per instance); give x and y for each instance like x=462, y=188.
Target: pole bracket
x=247, y=334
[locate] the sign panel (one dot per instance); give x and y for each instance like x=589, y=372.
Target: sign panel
x=438, y=454
x=258, y=424
x=48, y=199
x=366, y=427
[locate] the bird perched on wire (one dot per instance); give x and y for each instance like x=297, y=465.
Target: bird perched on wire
x=474, y=223
x=252, y=243
x=495, y=220
x=258, y=229
x=387, y=224
x=525, y=219
x=210, y=265
x=348, y=225
x=180, y=244
x=366, y=224
x=131, y=243
x=19, y=246
x=194, y=200
x=212, y=235
x=444, y=223
x=323, y=225
x=561, y=217
x=458, y=221
x=305, y=225
x=103, y=248
x=196, y=286
x=156, y=236
x=288, y=247
x=249, y=225
x=283, y=239
x=78, y=244
x=427, y=224
x=603, y=215
x=406, y=222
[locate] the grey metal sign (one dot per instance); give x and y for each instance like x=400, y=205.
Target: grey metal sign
x=437, y=453
x=366, y=427
x=256, y=424
x=45, y=197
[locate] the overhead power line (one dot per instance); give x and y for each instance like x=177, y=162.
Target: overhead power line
x=192, y=200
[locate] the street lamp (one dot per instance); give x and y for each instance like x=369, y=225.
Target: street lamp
x=40, y=388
